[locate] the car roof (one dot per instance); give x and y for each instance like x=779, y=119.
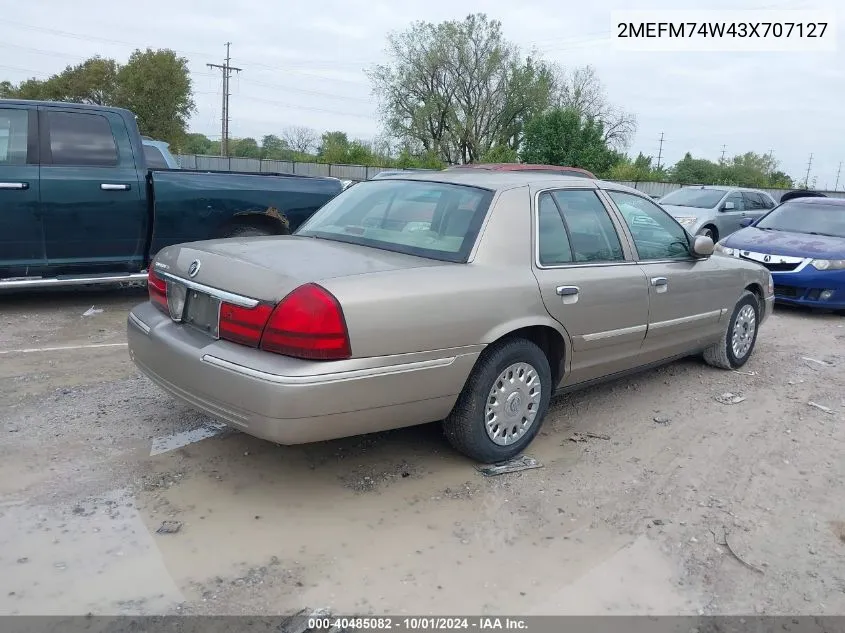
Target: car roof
x=817, y=201
x=523, y=167
x=63, y=104
x=503, y=180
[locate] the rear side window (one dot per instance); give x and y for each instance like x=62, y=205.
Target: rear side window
x=14, y=126
x=591, y=232
x=81, y=139
x=552, y=240
x=154, y=158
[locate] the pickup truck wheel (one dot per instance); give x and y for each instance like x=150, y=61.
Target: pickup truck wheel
x=503, y=402
x=739, y=337
x=245, y=230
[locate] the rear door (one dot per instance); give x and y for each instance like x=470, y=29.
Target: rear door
x=95, y=213
x=21, y=236
x=686, y=293
x=589, y=282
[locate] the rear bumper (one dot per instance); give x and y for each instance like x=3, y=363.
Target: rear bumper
x=807, y=287
x=292, y=401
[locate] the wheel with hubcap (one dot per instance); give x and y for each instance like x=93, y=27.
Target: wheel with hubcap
x=503, y=402
x=739, y=337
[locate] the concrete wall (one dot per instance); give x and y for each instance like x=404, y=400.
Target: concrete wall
x=362, y=172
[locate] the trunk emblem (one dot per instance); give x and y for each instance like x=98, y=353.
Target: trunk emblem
x=194, y=268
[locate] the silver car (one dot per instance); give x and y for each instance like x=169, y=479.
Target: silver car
x=716, y=211
x=467, y=297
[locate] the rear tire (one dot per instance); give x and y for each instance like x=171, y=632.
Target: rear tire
x=503, y=403
x=739, y=337
x=247, y=230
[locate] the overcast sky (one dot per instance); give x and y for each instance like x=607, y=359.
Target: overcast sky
x=303, y=65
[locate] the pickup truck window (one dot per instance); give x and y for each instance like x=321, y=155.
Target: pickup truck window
x=81, y=139
x=13, y=136
x=154, y=158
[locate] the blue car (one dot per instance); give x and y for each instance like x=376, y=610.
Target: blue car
x=802, y=243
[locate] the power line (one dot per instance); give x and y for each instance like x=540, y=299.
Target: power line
x=227, y=69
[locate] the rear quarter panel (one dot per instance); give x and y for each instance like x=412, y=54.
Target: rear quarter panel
x=191, y=206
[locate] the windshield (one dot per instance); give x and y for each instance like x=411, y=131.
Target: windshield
x=797, y=216
x=698, y=198
x=428, y=219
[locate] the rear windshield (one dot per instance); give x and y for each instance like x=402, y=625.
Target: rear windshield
x=799, y=216
x=697, y=198
x=428, y=219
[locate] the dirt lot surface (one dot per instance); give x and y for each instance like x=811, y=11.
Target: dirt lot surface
x=654, y=497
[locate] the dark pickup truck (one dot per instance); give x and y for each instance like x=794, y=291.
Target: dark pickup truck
x=79, y=205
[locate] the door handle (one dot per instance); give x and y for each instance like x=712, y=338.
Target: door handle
x=659, y=281
x=14, y=185
x=111, y=187
x=567, y=291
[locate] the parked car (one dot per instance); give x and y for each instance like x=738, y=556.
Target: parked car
x=157, y=154
x=80, y=204
x=802, y=243
x=716, y=211
x=560, y=170
x=467, y=296
x=801, y=193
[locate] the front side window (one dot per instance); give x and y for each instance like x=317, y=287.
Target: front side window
x=428, y=219
x=14, y=130
x=734, y=199
x=656, y=234
x=753, y=201
x=592, y=236
x=81, y=139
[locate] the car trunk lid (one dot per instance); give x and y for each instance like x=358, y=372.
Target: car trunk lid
x=268, y=268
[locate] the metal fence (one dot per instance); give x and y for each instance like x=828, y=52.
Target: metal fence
x=364, y=172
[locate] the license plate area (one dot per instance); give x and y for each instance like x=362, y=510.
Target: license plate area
x=202, y=312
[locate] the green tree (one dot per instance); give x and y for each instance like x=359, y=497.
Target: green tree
x=563, y=137
x=334, y=147
x=696, y=171
x=272, y=147
x=458, y=88
x=500, y=154
x=195, y=143
x=156, y=86
x=244, y=148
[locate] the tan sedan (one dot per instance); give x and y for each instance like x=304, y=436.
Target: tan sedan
x=464, y=297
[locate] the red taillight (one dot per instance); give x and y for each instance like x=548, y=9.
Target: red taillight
x=243, y=325
x=157, y=288
x=308, y=323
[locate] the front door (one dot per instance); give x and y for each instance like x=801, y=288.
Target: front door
x=21, y=236
x=685, y=300
x=589, y=284
x=95, y=213
x=731, y=214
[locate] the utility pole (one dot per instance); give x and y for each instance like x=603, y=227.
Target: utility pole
x=660, y=151
x=227, y=73
x=807, y=177
x=722, y=159
x=838, y=171
x=769, y=164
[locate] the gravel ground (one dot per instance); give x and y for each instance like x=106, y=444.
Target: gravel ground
x=656, y=496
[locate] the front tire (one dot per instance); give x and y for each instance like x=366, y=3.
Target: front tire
x=739, y=337
x=503, y=403
x=711, y=232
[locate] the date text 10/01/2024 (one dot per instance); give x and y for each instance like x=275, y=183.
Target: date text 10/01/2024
x=416, y=624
